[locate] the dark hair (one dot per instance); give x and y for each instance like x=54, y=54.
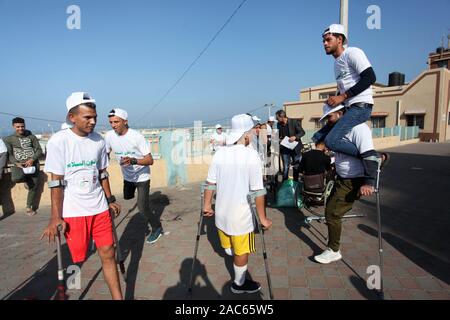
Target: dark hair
x=74, y=110
x=18, y=120
x=281, y=113
x=337, y=35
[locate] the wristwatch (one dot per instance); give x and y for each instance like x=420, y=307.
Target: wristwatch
x=133, y=161
x=111, y=199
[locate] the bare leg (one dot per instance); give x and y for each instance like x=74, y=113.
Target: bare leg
x=110, y=272
x=241, y=261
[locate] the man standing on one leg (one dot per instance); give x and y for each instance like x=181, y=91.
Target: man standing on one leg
x=351, y=182
x=133, y=153
x=24, y=151
x=236, y=170
x=81, y=199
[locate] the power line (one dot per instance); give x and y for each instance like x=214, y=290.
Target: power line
x=189, y=124
x=193, y=62
x=29, y=117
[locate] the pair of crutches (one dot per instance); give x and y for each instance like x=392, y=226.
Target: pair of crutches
x=251, y=197
x=61, y=287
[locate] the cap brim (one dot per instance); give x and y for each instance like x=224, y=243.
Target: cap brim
x=331, y=111
x=234, y=136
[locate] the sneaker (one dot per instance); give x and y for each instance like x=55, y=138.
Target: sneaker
x=249, y=286
x=154, y=236
x=30, y=212
x=328, y=256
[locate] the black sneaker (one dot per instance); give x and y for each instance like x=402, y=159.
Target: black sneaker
x=249, y=286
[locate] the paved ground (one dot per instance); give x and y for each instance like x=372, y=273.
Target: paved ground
x=416, y=220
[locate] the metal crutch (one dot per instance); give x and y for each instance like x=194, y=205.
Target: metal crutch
x=380, y=240
x=61, y=287
x=119, y=252
x=204, y=186
x=251, y=198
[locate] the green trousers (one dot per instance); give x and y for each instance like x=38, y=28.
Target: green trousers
x=32, y=181
x=343, y=195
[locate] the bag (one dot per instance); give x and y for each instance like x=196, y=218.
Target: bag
x=289, y=195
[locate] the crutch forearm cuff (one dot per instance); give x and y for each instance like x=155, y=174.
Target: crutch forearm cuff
x=104, y=175
x=56, y=184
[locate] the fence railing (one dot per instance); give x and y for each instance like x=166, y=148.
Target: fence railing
x=405, y=133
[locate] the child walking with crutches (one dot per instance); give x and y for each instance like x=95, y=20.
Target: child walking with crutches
x=236, y=170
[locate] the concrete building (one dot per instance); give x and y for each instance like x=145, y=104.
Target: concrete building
x=424, y=102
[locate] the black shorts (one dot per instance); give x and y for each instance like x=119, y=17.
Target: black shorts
x=129, y=189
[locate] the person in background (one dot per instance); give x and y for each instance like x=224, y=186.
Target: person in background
x=218, y=138
x=24, y=152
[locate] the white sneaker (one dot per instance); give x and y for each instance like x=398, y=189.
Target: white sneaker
x=328, y=256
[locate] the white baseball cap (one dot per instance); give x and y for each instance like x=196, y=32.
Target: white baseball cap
x=29, y=170
x=218, y=126
x=256, y=119
x=336, y=28
x=118, y=113
x=327, y=109
x=240, y=124
x=77, y=98
x=272, y=119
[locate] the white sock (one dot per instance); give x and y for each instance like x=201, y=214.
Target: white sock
x=239, y=274
x=229, y=251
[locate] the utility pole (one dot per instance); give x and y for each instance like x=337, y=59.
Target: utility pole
x=344, y=15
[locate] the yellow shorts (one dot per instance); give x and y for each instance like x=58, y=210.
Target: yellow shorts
x=240, y=244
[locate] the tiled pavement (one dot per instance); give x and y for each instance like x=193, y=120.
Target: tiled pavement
x=416, y=254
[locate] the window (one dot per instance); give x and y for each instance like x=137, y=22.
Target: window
x=378, y=122
x=415, y=120
x=318, y=124
x=326, y=95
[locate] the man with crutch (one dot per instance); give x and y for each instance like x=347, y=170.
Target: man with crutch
x=352, y=182
x=81, y=199
x=235, y=171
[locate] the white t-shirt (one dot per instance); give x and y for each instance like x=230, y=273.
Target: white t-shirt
x=132, y=144
x=219, y=140
x=347, y=69
x=351, y=167
x=79, y=159
x=236, y=170
x=3, y=148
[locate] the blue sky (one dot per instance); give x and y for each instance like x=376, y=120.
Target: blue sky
x=129, y=53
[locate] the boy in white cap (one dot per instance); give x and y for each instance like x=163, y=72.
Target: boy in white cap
x=81, y=199
x=351, y=183
x=133, y=153
x=236, y=170
x=218, y=138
